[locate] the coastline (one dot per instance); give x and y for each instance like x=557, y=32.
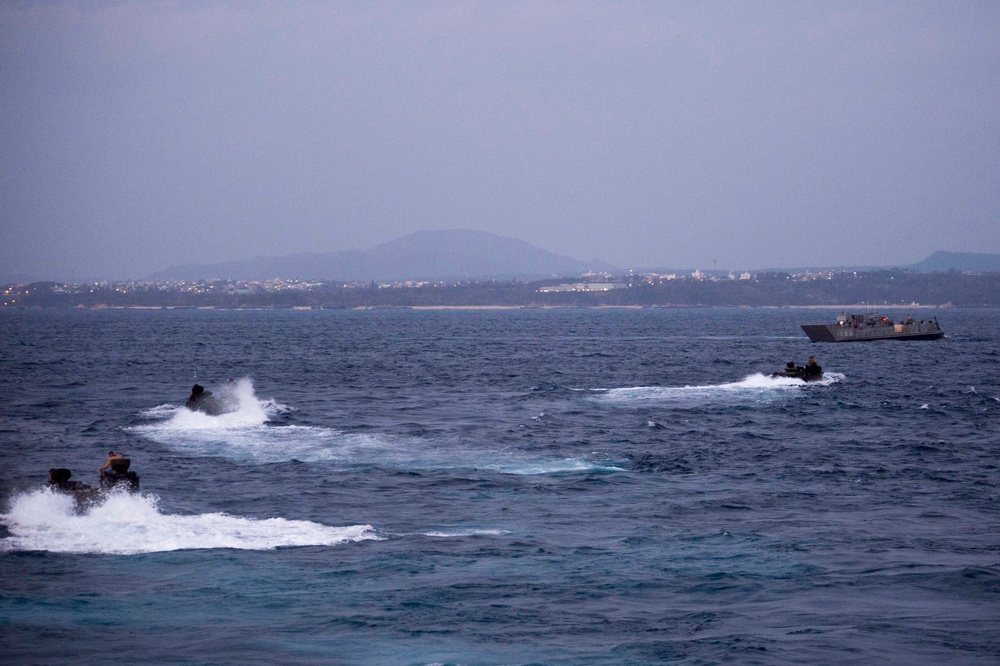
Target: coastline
x=856, y=308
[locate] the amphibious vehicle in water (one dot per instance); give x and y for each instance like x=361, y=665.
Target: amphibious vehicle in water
x=810, y=372
x=862, y=327
x=116, y=478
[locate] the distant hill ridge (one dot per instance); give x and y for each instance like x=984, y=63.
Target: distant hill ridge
x=457, y=254
x=453, y=254
x=966, y=262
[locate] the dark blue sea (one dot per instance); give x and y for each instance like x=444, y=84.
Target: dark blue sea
x=499, y=487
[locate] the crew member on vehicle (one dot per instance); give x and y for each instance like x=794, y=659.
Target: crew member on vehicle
x=112, y=456
x=813, y=368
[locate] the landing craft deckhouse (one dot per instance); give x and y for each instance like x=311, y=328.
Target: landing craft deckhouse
x=863, y=327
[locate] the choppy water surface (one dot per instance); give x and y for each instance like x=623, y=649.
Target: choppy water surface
x=499, y=487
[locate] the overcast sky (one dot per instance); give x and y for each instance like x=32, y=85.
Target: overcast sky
x=138, y=135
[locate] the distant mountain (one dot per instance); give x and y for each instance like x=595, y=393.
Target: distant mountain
x=966, y=262
x=20, y=278
x=426, y=255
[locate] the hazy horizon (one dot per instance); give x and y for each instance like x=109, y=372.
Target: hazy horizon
x=144, y=135
x=295, y=269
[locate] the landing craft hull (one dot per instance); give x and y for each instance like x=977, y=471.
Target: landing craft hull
x=867, y=329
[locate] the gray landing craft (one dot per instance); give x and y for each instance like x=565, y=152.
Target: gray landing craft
x=863, y=327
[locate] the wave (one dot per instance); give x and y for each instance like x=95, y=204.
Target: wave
x=756, y=386
x=43, y=520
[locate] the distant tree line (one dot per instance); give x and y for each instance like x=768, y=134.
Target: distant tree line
x=897, y=287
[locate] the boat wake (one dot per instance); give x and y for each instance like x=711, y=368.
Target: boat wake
x=450, y=534
x=246, y=436
x=755, y=387
x=242, y=408
x=310, y=444
x=43, y=520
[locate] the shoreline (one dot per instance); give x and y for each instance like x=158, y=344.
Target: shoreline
x=858, y=308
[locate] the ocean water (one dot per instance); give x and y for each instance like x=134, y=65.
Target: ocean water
x=499, y=487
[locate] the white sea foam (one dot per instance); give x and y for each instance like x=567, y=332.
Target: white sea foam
x=753, y=386
x=243, y=408
x=132, y=524
x=245, y=436
x=240, y=433
x=159, y=412
x=265, y=444
x=533, y=467
x=465, y=533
